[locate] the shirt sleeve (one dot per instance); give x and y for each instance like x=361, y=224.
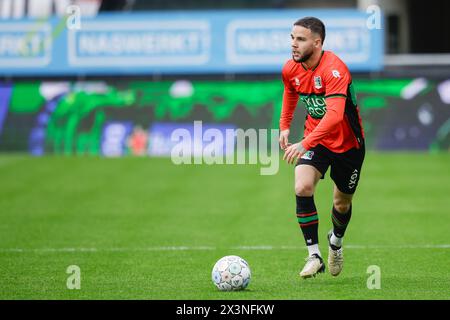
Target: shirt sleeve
x=336, y=81
x=334, y=115
x=290, y=100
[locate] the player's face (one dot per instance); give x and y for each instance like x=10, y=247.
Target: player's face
x=303, y=43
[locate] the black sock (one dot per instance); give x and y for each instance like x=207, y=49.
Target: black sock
x=308, y=219
x=340, y=221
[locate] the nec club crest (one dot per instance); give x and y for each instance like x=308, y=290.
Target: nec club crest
x=317, y=82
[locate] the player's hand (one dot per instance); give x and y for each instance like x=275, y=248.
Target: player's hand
x=284, y=139
x=293, y=152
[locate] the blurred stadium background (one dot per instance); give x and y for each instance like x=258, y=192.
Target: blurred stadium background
x=133, y=70
x=92, y=96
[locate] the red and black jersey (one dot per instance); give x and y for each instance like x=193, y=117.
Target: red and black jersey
x=327, y=92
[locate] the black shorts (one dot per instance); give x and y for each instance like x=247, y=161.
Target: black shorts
x=345, y=167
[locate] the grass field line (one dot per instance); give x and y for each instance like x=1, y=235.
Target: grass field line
x=210, y=248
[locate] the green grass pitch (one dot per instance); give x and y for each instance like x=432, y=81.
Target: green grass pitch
x=144, y=228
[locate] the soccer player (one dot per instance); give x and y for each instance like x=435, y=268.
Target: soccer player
x=333, y=137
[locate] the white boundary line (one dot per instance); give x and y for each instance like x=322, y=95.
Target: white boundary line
x=210, y=248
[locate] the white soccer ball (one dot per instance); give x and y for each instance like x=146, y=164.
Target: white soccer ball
x=231, y=273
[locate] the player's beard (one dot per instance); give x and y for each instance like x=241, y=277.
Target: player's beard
x=304, y=57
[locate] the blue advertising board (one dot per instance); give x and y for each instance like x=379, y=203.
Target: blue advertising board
x=180, y=42
x=114, y=138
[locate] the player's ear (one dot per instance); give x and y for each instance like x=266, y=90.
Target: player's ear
x=317, y=42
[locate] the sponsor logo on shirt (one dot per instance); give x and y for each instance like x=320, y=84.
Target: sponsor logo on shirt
x=315, y=105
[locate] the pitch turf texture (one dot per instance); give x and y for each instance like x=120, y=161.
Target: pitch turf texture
x=142, y=228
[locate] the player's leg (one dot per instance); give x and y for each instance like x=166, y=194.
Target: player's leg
x=310, y=169
x=306, y=179
x=345, y=172
x=340, y=216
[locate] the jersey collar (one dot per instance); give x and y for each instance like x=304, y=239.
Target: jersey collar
x=312, y=69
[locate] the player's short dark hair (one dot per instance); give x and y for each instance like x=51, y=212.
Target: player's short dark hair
x=313, y=24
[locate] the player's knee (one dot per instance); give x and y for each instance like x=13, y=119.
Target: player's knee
x=304, y=190
x=342, y=206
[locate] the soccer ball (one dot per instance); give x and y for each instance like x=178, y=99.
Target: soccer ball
x=231, y=273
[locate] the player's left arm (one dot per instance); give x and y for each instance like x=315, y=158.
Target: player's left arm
x=334, y=115
x=336, y=82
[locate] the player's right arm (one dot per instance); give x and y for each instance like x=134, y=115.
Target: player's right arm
x=290, y=100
